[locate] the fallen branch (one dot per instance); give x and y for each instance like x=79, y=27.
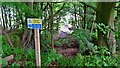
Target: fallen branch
x=7, y=38
x=8, y=58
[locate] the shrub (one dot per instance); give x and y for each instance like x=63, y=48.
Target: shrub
x=84, y=38
x=102, y=58
x=48, y=57
x=30, y=54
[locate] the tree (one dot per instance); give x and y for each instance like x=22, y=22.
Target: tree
x=118, y=24
x=52, y=18
x=105, y=15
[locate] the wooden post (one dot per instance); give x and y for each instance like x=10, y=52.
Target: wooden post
x=37, y=47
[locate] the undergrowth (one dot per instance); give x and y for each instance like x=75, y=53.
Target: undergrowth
x=101, y=57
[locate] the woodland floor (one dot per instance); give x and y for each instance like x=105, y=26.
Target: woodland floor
x=66, y=50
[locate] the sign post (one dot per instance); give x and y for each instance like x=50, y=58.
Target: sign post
x=37, y=47
x=36, y=24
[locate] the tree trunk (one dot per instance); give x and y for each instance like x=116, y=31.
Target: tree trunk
x=51, y=18
x=75, y=23
x=3, y=17
x=85, y=23
x=9, y=10
x=79, y=19
x=58, y=23
x=105, y=15
x=93, y=23
x=118, y=21
x=27, y=35
x=51, y=21
x=51, y=24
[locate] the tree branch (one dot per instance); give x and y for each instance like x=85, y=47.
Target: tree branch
x=89, y=6
x=57, y=12
x=7, y=38
x=45, y=7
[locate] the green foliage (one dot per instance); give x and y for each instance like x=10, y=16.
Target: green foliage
x=64, y=41
x=7, y=50
x=14, y=65
x=4, y=42
x=18, y=53
x=30, y=64
x=68, y=61
x=23, y=7
x=103, y=28
x=30, y=54
x=101, y=58
x=46, y=38
x=98, y=59
x=37, y=12
x=48, y=57
x=84, y=38
x=81, y=62
x=3, y=62
x=118, y=59
x=57, y=43
x=103, y=50
x=15, y=39
x=1, y=51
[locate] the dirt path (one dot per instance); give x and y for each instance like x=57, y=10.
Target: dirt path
x=66, y=50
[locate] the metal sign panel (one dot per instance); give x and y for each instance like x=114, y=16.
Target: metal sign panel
x=34, y=23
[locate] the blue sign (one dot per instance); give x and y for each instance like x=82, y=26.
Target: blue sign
x=34, y=23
